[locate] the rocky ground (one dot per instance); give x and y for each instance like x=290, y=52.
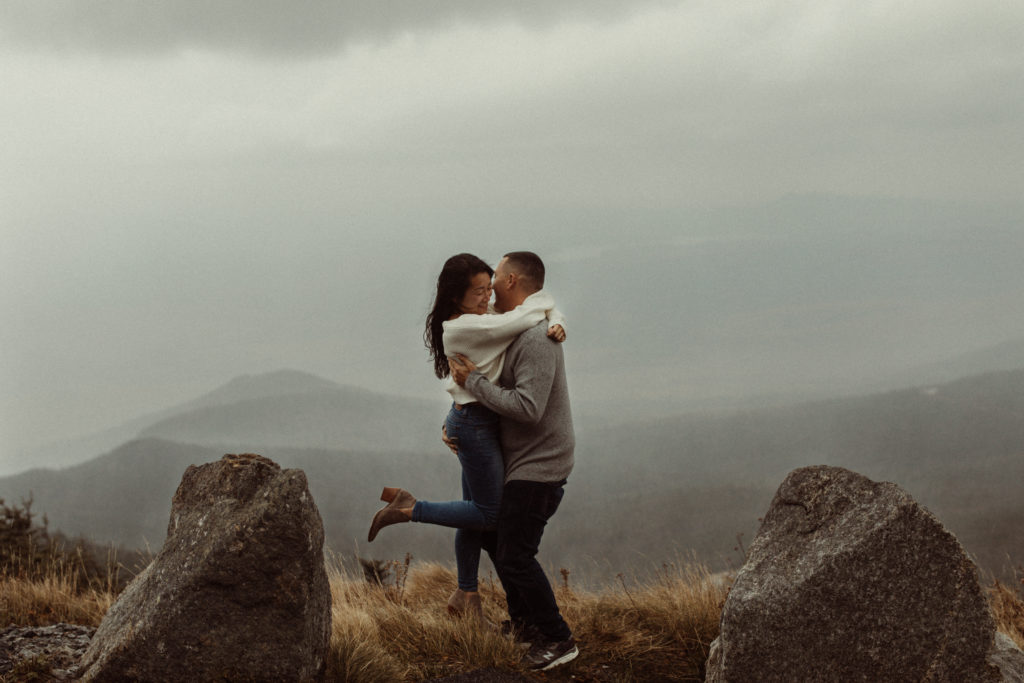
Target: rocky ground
x=484, y=676
x=53, y=650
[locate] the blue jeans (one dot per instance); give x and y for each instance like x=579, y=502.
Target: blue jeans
x=476, y=429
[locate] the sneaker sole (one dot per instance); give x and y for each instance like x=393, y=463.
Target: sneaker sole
x=567, y=657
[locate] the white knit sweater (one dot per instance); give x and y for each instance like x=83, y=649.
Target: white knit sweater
x=484, y=338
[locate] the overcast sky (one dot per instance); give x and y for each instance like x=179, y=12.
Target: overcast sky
x=193, y=190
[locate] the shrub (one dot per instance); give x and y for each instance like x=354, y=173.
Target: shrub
x=29, y=551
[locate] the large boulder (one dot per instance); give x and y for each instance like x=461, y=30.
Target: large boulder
x=851, y=580
x=238, y=592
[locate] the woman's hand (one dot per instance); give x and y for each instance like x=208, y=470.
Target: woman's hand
x=557, y=333
x=451, y=442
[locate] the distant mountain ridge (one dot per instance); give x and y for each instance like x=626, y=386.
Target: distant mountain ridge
x=265, y=385
x=641, y=492
x=172, y=422
x=124, y=496
x=330, y=417
x=958, y=448
x=1003, y=357
x=1008, y=355
x=296, y=404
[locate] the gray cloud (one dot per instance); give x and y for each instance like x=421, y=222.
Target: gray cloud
x=266, y=27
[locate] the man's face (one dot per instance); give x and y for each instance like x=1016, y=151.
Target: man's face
x=501, y=287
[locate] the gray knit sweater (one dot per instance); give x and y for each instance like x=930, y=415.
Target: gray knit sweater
x=537, y=438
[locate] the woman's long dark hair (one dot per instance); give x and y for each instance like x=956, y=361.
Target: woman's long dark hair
x=452, y=283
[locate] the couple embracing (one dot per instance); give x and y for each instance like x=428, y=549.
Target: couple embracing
x=511, y=427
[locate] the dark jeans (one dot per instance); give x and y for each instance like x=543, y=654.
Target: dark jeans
x=526, y=507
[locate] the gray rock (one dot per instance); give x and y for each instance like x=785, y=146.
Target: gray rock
x=852, y=580
x=238, y=592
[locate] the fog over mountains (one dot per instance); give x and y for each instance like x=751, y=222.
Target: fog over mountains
x=283, y=408
x=806, y=331
x=670, y=310
x=644, y=491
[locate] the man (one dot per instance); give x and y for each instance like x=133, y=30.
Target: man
x=537, y=442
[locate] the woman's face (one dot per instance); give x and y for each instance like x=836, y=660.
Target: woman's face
x=477, y=295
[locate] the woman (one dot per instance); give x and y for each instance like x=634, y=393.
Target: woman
x=460, y=322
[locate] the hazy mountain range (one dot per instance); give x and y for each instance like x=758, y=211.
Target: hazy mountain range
x=283, y=408
x=669, y=311
x=643, y=492
x=293, y=408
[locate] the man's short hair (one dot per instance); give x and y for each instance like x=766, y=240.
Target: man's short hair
x=527, y=266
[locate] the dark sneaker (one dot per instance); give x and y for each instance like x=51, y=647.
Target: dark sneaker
x=544, y=656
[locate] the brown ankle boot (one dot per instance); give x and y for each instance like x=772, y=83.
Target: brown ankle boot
x=466, y=603
x=398, y=509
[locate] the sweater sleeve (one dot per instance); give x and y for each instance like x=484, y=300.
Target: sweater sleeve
x=556, y=317
x=482, y=337
x=469, y=331
x=534, y=371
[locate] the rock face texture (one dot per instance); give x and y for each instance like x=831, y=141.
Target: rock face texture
x=851, y=580
x=238, y=592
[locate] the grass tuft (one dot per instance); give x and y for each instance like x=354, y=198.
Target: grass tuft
x=657, y=629
x=1007, y=604
x=51, y=599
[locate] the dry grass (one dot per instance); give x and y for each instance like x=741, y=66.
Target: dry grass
x=658, y=629
x=402, y=631
x=1007, y=604
x=51, y=599
x=30, y=670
